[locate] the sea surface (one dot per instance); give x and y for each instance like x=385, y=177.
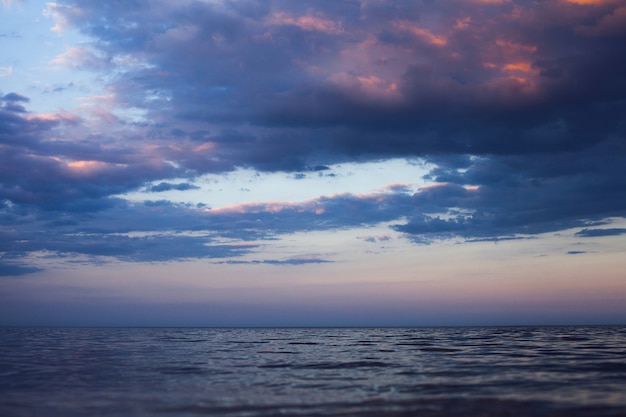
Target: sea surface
x=240, y=372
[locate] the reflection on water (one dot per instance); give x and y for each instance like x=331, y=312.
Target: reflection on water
x=539, y=371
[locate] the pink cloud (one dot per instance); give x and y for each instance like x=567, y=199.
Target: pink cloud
x=307, y=23
x=422, y=33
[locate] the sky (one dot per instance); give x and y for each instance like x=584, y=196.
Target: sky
x=312, y=163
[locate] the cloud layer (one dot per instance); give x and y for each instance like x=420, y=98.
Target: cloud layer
x=519, y=106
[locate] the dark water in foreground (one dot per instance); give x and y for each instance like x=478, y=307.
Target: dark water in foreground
x=518, y=371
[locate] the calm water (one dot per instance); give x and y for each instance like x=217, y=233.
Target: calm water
x=518, y=371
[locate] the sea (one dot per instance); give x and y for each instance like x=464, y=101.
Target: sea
x=260, y=372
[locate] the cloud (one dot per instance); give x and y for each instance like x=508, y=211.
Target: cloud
x=320, y=168
x=82, y=58
x=518, y=107
x=12, y=270
x=512, y=87
x=518, y=195
x=280, y=262
x=375, y=239
x=601, y=232
x=8, y=3
x=11, y=97
x=6, y=71
x=162, y=231
x=166, y=186
x=306, y=23
x=133, y=239
x=41, y=164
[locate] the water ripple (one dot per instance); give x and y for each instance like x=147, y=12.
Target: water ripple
x=530, y=371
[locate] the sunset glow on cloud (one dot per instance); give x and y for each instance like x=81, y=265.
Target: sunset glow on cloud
x=280, y=143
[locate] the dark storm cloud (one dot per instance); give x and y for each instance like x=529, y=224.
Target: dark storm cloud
x=451, y=78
